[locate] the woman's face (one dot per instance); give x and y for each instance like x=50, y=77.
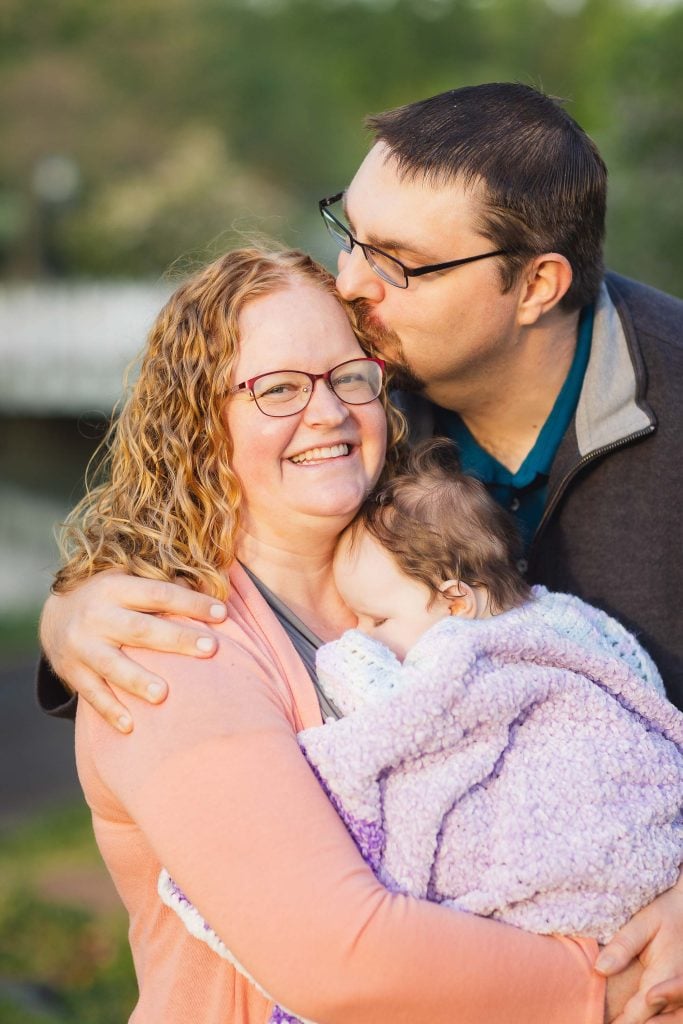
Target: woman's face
x=313, y=469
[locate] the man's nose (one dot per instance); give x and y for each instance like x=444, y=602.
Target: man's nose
x=356, y=279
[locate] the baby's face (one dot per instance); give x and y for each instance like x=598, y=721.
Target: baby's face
x=390, y=606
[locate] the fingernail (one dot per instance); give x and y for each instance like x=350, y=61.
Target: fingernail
x=205, y=643
x=124, y=723
x=155, y=690
x=217, y=611
x=604, y=963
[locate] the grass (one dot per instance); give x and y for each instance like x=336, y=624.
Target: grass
x=63, y=952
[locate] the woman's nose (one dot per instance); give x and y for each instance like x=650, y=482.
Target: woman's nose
x=324, y=407
x=356, y=279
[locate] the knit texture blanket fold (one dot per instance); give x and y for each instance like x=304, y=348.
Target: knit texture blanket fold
x=525, y=767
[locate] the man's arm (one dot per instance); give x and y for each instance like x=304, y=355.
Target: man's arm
x=82, y=633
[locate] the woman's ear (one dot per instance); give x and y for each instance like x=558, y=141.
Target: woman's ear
x=461, y=598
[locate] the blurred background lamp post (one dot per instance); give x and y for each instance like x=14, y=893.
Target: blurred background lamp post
x=56, y=184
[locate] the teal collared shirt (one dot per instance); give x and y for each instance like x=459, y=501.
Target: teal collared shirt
x=524, y=492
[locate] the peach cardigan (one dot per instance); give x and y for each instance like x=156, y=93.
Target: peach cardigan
x=213, y=786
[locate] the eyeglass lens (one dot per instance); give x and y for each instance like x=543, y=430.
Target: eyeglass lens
x=286, y=392
x=341, y=236
x=387, y=268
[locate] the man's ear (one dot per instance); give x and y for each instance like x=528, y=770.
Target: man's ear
x=461, y=598
x=547, y=280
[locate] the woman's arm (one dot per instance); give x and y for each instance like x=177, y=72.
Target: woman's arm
x=82, y=633
x=215, y=779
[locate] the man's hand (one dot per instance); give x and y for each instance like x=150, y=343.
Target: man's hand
x=655, y=936
x=82, y=633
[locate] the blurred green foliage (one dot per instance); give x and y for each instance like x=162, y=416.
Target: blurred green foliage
x=184, y=123
x=19, y=634
x=64, y=956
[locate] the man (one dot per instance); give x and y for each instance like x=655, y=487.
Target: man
x=562, y=386
x=471, y=238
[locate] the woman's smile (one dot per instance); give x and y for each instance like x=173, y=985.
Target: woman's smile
x=314, y=456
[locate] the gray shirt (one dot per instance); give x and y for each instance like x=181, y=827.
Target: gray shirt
x=305, y=642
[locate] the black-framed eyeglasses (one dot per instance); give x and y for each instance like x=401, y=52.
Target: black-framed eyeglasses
x=287, y=392
x=387, y=267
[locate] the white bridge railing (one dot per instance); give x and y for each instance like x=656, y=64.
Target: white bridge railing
x=64, y=347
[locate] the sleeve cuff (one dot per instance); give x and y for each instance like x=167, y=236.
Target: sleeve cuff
x=53, y=697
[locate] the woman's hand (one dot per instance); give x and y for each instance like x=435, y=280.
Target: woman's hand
x=620, y=989
x=655, y=936
x=83, y=630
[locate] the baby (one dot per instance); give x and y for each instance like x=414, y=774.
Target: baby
x=431, y=544
x=503, y=749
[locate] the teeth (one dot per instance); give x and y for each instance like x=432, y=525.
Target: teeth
x=316, y=454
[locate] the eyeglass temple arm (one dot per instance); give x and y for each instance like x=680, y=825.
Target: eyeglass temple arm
x=419, y=271
x=329, y=200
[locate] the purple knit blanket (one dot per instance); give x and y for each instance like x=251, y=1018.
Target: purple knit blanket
x=525, y=767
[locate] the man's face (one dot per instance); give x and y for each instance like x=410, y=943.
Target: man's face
x=450, y=330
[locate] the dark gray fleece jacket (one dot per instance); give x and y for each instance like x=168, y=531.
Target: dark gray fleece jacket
x=611, y=531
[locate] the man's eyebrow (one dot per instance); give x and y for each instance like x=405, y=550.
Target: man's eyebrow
x=345, y=210
x=388, y=244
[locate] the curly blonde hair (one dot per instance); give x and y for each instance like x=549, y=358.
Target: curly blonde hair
x=162, y=500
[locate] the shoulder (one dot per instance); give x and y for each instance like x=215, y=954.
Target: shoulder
x=255, y=684
x=253, y=653
x=649, y=311
x=239, y=689
x=228, y=713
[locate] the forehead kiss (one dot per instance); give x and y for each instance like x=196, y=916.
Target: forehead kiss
x=451, y=318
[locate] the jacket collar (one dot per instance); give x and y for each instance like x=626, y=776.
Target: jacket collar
x=611, y=405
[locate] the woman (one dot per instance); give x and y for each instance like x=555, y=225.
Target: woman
x=240, y=484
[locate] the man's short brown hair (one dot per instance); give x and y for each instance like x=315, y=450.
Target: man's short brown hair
x=544, y=183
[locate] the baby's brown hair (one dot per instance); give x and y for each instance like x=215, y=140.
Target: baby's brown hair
x=438, y=523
